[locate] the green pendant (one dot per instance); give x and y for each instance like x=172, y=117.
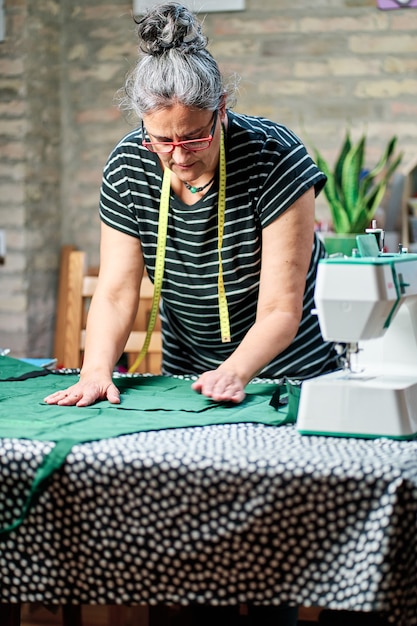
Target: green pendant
x=193, y=189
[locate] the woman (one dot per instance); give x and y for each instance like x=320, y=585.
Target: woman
x=238, y=194
x=266, y=252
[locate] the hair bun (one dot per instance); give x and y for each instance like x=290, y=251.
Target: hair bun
x=168, y=26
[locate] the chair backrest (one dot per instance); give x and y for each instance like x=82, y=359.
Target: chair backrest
x=76, y=288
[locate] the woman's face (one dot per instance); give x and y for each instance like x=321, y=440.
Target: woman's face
x=180, y=123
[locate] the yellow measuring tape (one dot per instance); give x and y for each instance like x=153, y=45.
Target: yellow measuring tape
x=223, y=308
x=159, y=265
x=160, y=256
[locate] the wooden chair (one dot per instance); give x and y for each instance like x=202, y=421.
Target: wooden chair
x=76, y=288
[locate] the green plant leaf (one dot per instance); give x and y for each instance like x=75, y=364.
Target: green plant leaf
x=354, y=197
x=382, y=163
x=393, y=166
x=338, y=215
x=369, y=206
x=351, y=174
x=346, y=148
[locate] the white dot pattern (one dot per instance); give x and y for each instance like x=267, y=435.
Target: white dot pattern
x=237, y=513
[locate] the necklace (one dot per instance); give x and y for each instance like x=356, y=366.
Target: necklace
x=197, y=189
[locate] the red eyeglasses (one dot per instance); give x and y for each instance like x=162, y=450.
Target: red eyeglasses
x=192, y=145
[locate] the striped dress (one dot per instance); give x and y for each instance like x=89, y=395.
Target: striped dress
x=268, y=168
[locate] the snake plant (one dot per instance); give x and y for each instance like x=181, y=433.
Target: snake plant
x=354, y=194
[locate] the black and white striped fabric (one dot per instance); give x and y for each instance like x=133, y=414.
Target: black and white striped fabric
x=268, y=168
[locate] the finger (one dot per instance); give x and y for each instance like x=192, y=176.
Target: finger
x=204, y=384
x=226, y=390
x=197, y=385
x=238, y=396
x=53, y=398
x=219, y=390
x=113, y=394
x=87, y=399
x=69, y=399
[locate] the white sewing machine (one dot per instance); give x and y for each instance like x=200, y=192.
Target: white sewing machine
x=370, y=304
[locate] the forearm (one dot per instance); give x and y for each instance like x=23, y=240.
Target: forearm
x=286, y=254
x=108, y=326
x=281, y=289
x=266, y=339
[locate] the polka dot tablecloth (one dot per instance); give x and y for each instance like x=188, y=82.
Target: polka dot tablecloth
x=238, y=513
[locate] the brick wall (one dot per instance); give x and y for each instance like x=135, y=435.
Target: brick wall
x=29, y=173
x=315, y=66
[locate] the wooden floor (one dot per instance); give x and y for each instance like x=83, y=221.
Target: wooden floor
x=35, y=615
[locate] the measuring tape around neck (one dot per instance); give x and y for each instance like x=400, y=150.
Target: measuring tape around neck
x=159, y=265
x=160, y=255
x=223, y=308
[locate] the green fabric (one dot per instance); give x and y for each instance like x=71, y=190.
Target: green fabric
x=147, y=403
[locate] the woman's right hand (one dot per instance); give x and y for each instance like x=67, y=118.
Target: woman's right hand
x=86, y=392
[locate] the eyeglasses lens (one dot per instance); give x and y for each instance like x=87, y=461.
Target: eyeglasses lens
x=193, y=145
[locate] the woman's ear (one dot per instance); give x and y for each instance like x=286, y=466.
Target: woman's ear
x=222, y=108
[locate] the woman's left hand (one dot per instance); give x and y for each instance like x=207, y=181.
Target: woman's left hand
x=221, y=386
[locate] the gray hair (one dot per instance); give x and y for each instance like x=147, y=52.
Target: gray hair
x=175, y=66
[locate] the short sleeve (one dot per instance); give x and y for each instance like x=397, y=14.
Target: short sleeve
x=292, y=173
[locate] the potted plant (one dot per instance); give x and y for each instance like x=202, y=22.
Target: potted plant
x=354, y=193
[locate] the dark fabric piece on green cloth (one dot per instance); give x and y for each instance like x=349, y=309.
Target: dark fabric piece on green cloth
x=294, y=393
x=26, y=375
x=147, y=403
x=287, y=395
